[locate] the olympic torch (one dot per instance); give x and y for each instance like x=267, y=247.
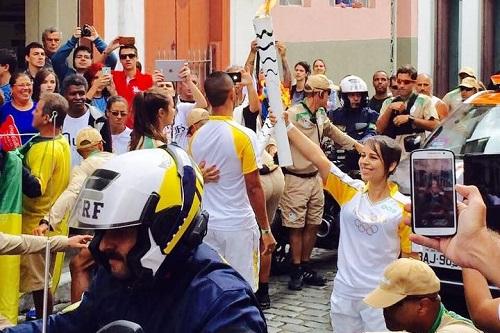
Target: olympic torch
x=263, y=26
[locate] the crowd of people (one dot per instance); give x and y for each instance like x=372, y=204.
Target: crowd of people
x=76, y=125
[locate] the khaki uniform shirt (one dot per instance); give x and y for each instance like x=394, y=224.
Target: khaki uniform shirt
x=422, y=109
x=453, y=99
x=26, y=244
x=301, y=116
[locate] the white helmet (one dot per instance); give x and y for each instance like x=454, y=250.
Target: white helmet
x=352, y=83
x=157, y=190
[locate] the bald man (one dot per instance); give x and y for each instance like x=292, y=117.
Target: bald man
x=424, y=86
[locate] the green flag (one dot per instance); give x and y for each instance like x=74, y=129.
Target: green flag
x=11, y=205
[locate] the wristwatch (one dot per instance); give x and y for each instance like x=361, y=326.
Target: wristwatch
x=265, y=231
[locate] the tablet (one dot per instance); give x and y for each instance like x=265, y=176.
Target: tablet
x=170, y=68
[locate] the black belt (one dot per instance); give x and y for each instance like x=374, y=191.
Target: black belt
x=300, y=175
x=265, y=170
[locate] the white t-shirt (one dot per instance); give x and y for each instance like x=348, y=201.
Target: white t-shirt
x=71, y=127
x=372, y=234
x=231, y=147
x=180, y=130
x=121, y=141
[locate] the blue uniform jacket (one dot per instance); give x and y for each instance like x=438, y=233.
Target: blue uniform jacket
x=347, y=119
x=204, y=295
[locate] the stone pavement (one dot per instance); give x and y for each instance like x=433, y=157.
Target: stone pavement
x=307, y=310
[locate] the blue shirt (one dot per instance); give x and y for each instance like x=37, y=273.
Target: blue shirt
x=99, y=103
x=22, y=119
x=6, y=89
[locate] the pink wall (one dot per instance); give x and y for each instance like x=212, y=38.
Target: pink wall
x=322, y=22
x=407, y=18
x=318, y=21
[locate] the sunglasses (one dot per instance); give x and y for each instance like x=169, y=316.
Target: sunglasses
x=405, y=82
x=128, y=55
x=117, y=113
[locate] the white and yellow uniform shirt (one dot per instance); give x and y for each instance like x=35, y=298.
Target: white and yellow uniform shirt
x=231, y=147
x=372, y=235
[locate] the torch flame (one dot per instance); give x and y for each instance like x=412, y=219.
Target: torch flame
x=265, y=8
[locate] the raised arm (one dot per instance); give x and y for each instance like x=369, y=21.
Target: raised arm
x=253, y=97
x=287, y=75
x=250, y=63
x=310, y=150
x=199, y=99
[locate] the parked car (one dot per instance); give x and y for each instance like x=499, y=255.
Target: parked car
x=473, y=134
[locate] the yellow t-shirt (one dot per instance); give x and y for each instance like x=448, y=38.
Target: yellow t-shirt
x=49, y=160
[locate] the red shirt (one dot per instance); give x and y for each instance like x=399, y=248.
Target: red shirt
x=139, y=83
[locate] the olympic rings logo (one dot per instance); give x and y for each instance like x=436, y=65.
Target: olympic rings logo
x=367, y=228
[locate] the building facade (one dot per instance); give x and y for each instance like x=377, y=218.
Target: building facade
x=437, y=36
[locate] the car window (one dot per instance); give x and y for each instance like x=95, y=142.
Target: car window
x=468, y=130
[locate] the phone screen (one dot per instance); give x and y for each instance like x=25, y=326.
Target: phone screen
x=433, y=192
x=106, y=70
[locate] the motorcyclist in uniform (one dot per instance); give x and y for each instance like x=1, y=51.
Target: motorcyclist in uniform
x=154, y=270
x=354, y=116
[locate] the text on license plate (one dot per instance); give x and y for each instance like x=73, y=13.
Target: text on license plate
x=437, y=259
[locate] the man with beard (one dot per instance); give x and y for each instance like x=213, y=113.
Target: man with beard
x=380, y=83
x=81, y=115
x=154, y=269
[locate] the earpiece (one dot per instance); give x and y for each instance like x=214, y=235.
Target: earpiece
x=53, y=116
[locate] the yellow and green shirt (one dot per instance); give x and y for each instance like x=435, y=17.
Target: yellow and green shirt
x=49, y=160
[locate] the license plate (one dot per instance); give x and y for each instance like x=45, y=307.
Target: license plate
x=436, y=259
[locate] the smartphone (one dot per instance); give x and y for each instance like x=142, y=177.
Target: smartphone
x=170, y=69
x=126, y=40
x=106, y=70
x=433, y=196
x=235, y=76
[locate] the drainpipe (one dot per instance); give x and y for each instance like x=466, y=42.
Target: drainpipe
x=394, y=37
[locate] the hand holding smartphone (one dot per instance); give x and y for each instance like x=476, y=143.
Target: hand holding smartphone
x=434, y=205
x=106, y=70
x=235, y=76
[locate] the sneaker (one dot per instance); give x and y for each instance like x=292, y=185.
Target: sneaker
x=264, y=300
x=313, y=278
x=296, y=281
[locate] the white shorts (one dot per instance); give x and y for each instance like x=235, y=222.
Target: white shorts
x=240, y=249
x=355, y=316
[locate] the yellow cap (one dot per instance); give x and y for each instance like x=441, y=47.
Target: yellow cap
x=469, y=82
x=196, y=115
x=317, y=82
x=87, y=137
x=403, y=277
x=467, y=70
